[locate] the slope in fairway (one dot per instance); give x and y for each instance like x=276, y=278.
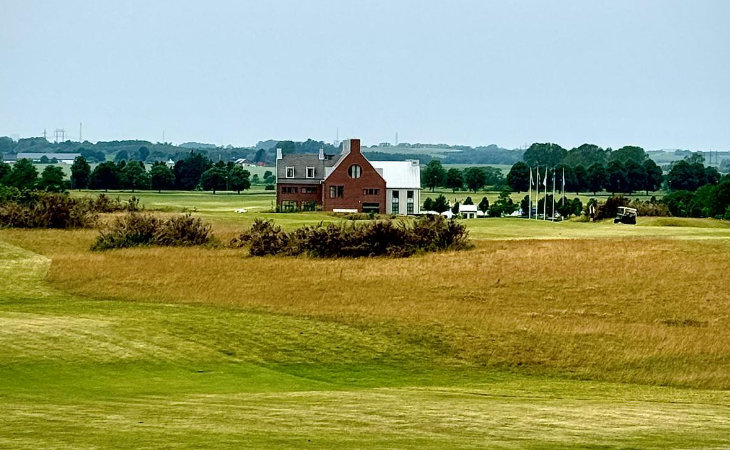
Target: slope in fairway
x=77, y=372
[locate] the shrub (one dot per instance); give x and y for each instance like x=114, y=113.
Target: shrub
x=269, y=187
x=609, y=209
x=380, y=238
x=35, y=209
x=134, y=230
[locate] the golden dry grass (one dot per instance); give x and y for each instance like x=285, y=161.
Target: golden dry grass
x=633, y=310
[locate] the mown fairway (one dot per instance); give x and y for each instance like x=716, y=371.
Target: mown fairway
x=543, y=335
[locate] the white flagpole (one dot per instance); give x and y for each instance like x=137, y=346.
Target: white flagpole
x=553, y=195
x=529, y=198
x=537, y=195
x=564, y=187
x=544, y=203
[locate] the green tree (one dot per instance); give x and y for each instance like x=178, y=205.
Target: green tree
x=434, y=174
x=629, y=153
x=635, y=175
x=238, y=179
x=80, y=173
x=518, y=177
x=455, y=208
x=189, y=171
x=544, y=155
x=161, y=176
x=483, y=205
x=617, y=180
x=24, y=175
x=581, y=181
x=105, y=176
x=468, y=201
x=454, y=179
x=503, y=205
x=122, y=155
x=440, y=204
x=597, y=178
x=214, y=179
x=654, y=176
x=686, y=176
x=52, y=179
x=428, y=204
x=142, y=153
x=134, y=176
x=475, y=178
x=4, y=171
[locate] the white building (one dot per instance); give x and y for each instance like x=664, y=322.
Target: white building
x=468, y=211
x=402, y=185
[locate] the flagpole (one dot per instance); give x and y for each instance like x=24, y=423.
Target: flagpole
x=553, y=195
x=537, y=194
x=544, y=203
x=529, y=198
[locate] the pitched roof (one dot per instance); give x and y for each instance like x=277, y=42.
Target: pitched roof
x=300, y=162
x=399, y=174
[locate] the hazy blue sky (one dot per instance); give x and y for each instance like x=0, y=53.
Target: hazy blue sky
x=650, y=73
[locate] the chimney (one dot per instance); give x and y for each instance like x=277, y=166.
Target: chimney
x=321, y=154
x=350, y=145
x=278, y=154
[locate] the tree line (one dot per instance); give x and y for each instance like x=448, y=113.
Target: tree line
x=473, y=178
x=196, y=171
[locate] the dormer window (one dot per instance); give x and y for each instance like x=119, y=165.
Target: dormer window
x=310, y=172
x=290, y=172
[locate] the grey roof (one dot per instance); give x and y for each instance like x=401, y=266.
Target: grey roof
x=36, y=156
x=300, y=162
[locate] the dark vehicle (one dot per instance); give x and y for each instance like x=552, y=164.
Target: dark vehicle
x=625, y=215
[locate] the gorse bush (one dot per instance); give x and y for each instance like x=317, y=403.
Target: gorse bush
x=39, y=209
x=353, y=240
x=36, y=209
x=134, y=230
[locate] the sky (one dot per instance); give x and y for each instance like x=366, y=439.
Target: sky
x=615, y=72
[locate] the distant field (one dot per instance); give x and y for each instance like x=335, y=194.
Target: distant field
x=544, y=335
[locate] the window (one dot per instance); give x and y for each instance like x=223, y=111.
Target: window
x=410, y=208
x=288, y=206
x=396, y=195
x=288, y=190
x=309, y=190
x=290, y=172
x=371, y=208
x=337, y=191
x=395, y=207
x=370, y=191
x=409, y=194
x=354, y=171
x=310, y=172
x=309, y=206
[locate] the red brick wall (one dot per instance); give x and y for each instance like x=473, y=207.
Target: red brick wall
x=353, y=197
x=298, y=197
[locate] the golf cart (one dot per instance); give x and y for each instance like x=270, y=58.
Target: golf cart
x=625, y=215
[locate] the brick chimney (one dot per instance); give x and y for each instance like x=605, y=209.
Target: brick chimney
x=350, y=145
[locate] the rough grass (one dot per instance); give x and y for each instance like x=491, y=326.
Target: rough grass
x=76, y=372
x=587, y=308
x=544, y=335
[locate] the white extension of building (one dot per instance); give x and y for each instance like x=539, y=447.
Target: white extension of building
x=403, y=185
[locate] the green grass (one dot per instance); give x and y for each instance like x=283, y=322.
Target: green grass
x=80, y=373
x=84, y=370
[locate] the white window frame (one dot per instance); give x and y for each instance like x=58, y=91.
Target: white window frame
x=287, y=172
x=308, y=169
